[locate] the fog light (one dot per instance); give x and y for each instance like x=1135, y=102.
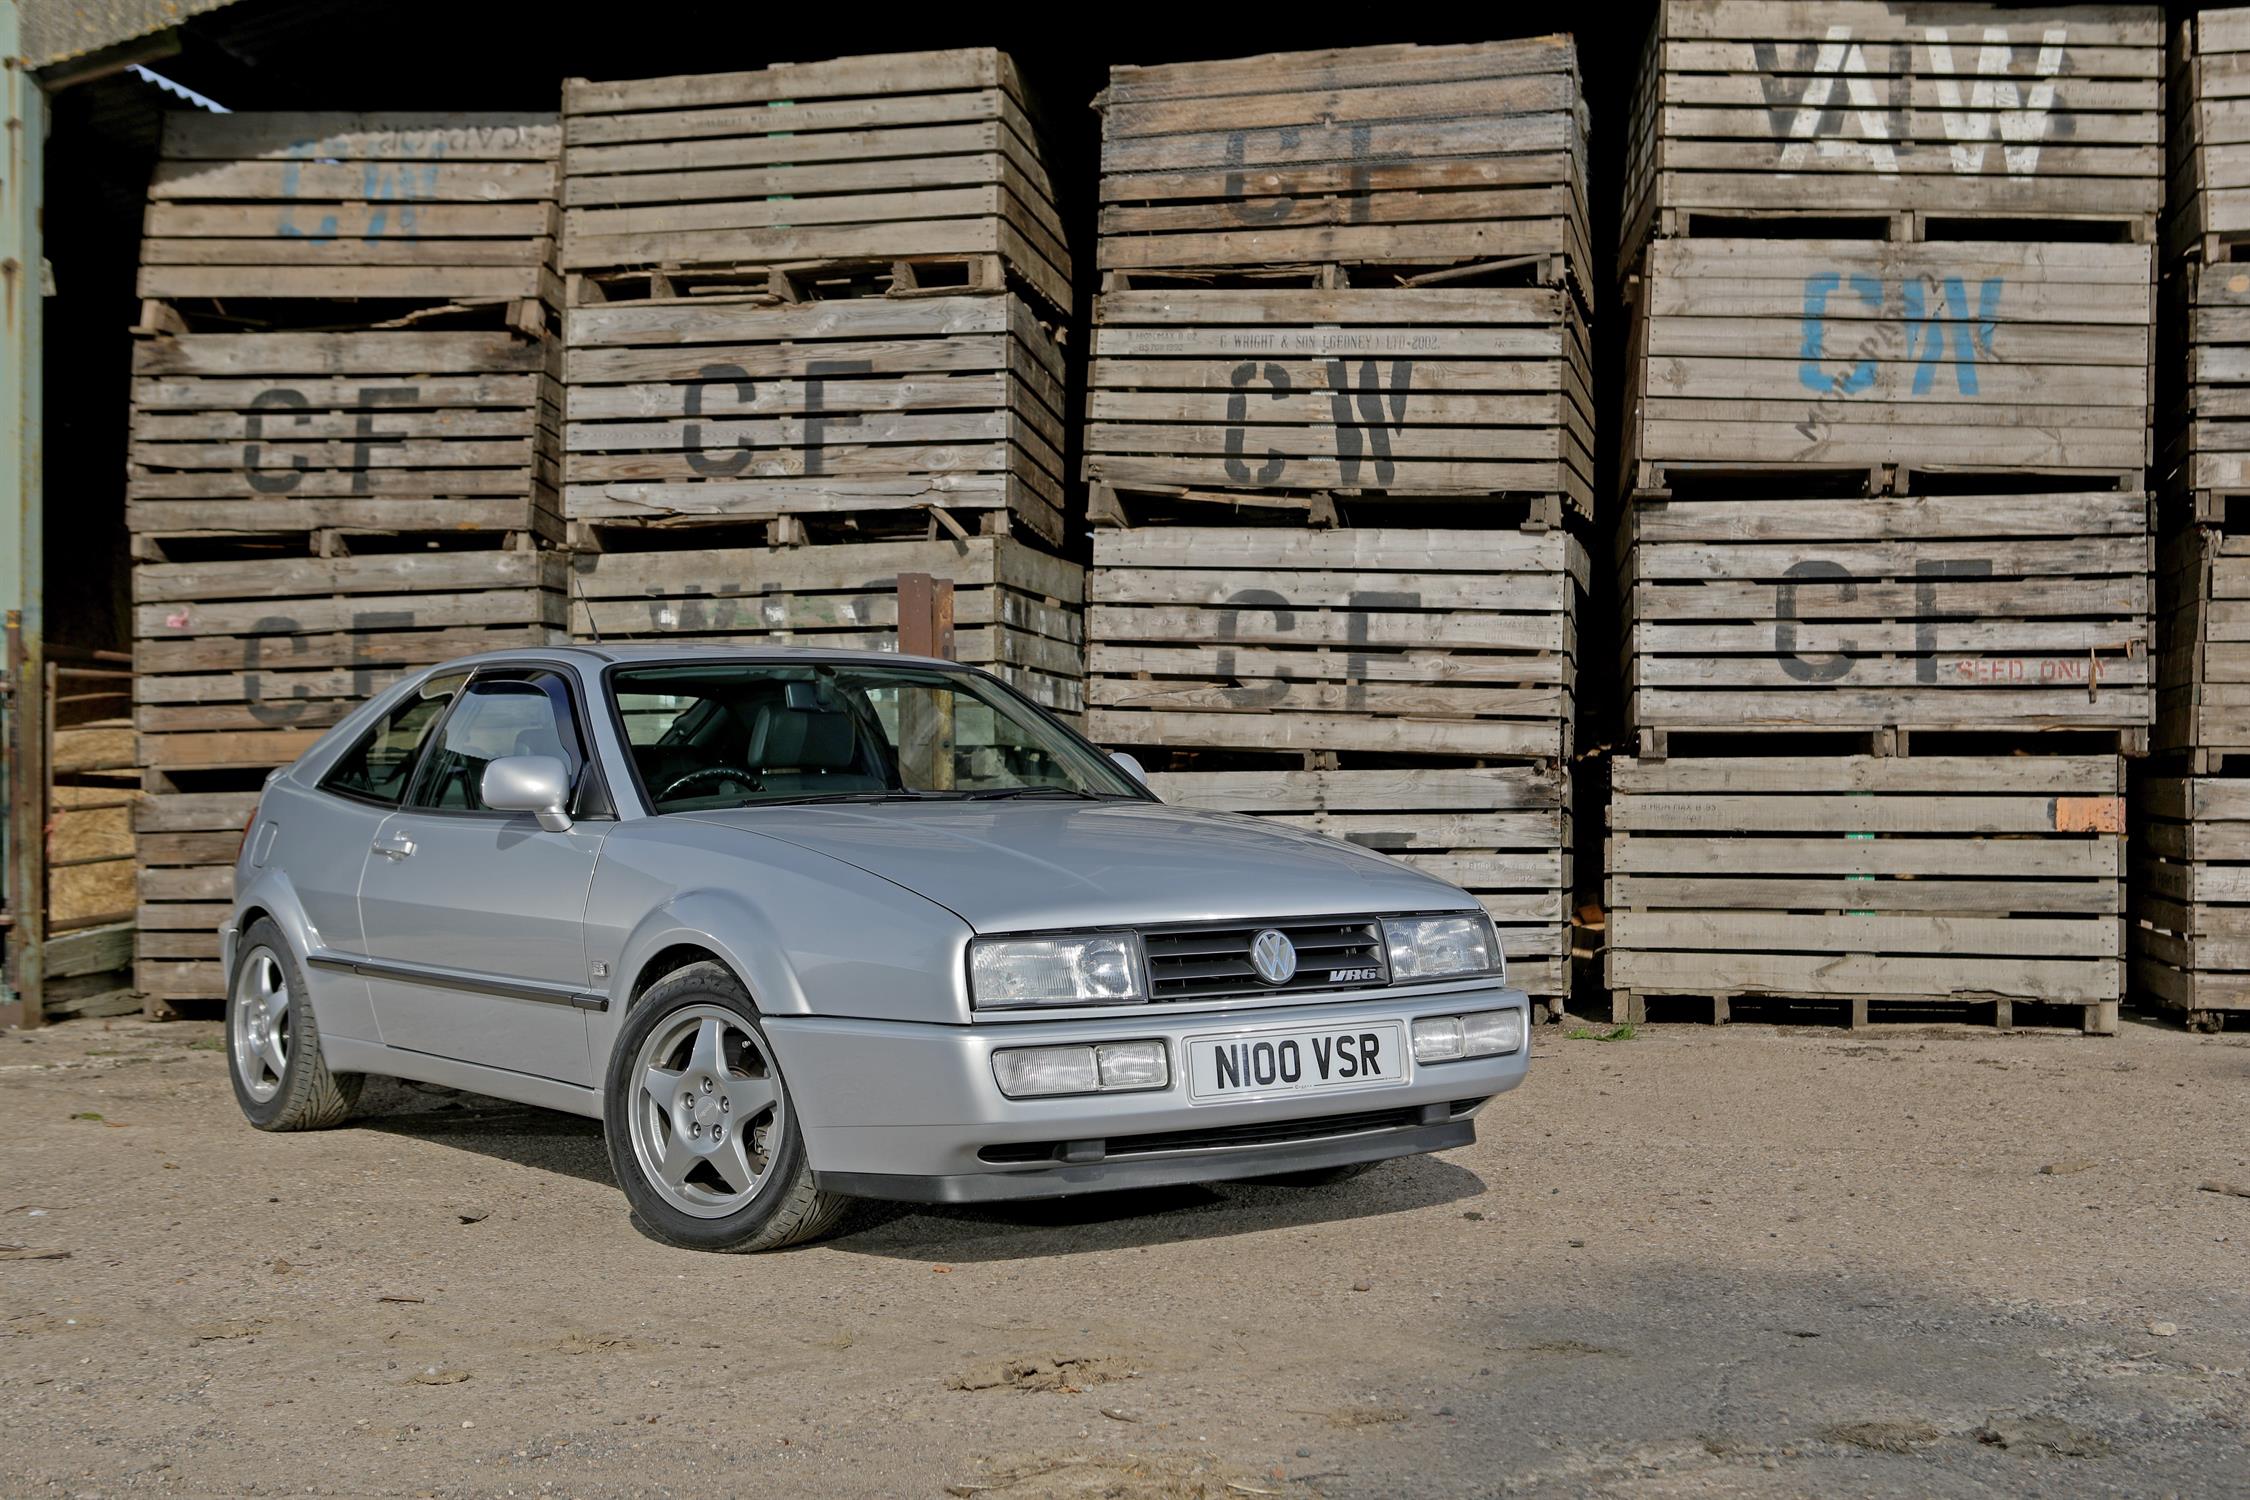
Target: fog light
x=1438, y=1039
x=1489, y=1033
x=1132, y=1065
x=1493, y=1032
x=1030, y=1072
x=1107, y=1068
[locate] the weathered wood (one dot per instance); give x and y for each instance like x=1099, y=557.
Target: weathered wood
x=1868, y=878
x=1372, y=156
x=2207, y=207
x=1405, y=392
x=1017, y=612
x=428, y=208
x=243, y=433
x=1501, y=833
x=1437, y=642
x=737, y=409
x=903, y=158
x=186, y=858
x=1932, y=355
x=2191, y=894
x=1976, y=112
x=1954, y=612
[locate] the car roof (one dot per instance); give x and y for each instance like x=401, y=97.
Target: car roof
x=594, y=656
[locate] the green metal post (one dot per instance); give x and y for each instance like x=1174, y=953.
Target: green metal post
x=22, y=587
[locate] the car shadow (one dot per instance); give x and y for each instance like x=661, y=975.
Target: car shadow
x=523, y=1134
x=1137, y=1217
x=572, y=1145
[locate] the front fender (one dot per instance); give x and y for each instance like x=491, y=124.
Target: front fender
x=807, y=934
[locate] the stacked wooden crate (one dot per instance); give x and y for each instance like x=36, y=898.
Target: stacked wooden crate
x=1887, y=547
x=345, y=425
x=814, y=344
x=1339, y=448
x=2191, y=892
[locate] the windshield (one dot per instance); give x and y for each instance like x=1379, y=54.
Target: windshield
x=740, y=734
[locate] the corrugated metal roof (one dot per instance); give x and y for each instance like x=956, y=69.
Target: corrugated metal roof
x=57, y=30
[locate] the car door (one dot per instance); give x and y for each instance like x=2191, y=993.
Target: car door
x=328, y=831
x=474, y=919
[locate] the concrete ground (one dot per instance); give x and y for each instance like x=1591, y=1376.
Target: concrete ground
x=1917, y=1262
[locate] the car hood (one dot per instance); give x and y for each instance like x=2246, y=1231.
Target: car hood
x=1028, y=866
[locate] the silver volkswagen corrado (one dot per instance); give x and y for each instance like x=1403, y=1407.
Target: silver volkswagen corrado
x=806, y=926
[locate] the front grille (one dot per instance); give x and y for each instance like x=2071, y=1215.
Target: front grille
x=1202, y=962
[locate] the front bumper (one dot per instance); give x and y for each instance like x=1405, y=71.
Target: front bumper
x=911, y=1112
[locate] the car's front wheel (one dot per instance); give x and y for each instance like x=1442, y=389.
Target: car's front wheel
x=700, y=1128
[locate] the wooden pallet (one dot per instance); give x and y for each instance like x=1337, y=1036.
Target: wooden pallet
x=901, y=159
x=1399, y=158
x=1433, y=643
x=1412, y=392
x=242, y=665
x=1931, y=612
x=2191, y=897
x=695, y=411
x=2207, y=204
x=1943, y=879
x=94, y=782
x=1502, y=833
x=1860, y=1013
x=325, y=206
x=1948, y=355
x=2203, y=635
x=2021, y=120
x=186, y=845
x=1016, y=611
x=260, y=434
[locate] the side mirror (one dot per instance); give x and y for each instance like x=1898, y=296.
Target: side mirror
x=1131, y=767
x=537, y=784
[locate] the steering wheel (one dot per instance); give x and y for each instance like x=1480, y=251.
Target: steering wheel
x=695, y=780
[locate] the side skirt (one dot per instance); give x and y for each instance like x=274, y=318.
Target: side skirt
x=348, y=1056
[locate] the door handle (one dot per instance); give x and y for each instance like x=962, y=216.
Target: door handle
x=397, y=846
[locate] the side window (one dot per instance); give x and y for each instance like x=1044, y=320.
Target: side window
x=376, y=769
x=522, y=713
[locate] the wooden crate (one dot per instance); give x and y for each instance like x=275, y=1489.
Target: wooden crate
x=1397, y=157
x=905, y=159
x=2207, y=206
x=2191, y=897
x=2203, y=641
x=94, y=780
x=1434, y=643
x=1447, y=392
x=1502, y=833
x=1940, y=356
x=419, y=207
x=1834, y=108
x=879, y=409
x=238, y=434
x=1016, y=611
x=2206, y=457
x=241, y=665
x=1869, y=880
x=186, y=845
x=1928, y=612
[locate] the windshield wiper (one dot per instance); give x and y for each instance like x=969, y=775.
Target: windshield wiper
x=894, y=795
x=1006, y=793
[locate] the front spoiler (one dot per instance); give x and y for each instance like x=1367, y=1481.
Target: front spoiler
x=1068, y=1179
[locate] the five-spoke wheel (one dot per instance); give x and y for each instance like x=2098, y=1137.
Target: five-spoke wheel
x=259, y=1023
x=281, y=1080
x=707, y=1120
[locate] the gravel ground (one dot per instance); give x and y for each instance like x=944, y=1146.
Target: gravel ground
x=1914, y=1262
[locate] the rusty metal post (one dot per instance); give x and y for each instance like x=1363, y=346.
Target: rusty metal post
x=925, y=615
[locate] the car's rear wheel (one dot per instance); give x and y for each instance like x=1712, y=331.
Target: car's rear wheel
x=701, y=1131
x=273, y=1043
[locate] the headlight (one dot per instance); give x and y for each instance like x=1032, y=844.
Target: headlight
x=1432, y=947
x=1102, y=968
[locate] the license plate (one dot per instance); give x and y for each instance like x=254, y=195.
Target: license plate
x=1254, y=1064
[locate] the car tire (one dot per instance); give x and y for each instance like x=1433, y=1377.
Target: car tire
x=299, y=1094
x=1317, y=1176
x=785, y=1208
